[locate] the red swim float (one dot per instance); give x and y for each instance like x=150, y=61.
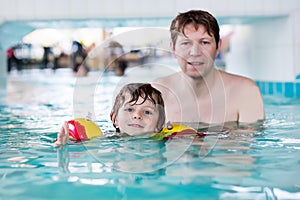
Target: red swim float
x=81, y=129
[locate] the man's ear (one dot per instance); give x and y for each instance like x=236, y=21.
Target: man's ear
x=172, y=46
x=219, y=47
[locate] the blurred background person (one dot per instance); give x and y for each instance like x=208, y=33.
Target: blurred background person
x=115, y=58
x=79, y=53
x=12, y=61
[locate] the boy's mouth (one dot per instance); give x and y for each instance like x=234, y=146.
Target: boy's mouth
x=136, y=125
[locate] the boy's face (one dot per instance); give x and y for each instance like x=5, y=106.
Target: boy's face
x=137, y=119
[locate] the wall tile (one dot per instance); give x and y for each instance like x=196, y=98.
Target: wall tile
x=297, y=60
x=23, y=9
x=298, y=90
x=284, y=6
x=254, y=6
x=8, y=9
x=262, y=86
x=235, y=6
x=270, y=88
x=271, y=6
x=278, y=88
x=281, y=89
x=289, y=89
x=205, y=5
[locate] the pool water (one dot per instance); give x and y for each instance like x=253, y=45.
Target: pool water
x=227, y=165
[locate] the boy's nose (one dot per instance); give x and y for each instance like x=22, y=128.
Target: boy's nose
x=137, y=115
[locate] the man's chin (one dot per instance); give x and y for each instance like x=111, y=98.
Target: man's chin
x=194, y=75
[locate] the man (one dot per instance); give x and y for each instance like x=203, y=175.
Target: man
x=200, y=92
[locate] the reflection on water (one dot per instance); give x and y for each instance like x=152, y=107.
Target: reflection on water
x=229, y=163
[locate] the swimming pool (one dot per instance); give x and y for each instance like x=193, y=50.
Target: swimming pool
x=264, y=165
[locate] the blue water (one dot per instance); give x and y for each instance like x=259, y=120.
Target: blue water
x=262, y=164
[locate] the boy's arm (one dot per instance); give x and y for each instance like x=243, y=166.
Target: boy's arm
x=63, y=135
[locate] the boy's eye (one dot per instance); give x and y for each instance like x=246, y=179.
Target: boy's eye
x=147, y=112
x=128, y=109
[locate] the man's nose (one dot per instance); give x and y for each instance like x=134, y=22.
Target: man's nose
x=195, y=49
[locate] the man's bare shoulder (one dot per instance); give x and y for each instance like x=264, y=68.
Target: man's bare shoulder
x=239, y=89
x=167, y=79
x=236, y=81
x=165, y=83
x=168, y=86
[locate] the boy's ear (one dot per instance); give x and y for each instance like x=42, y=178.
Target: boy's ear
x=159, y=127
x=112, y=117
x=116, y=123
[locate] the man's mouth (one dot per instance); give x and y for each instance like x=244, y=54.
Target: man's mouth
x=195, y=63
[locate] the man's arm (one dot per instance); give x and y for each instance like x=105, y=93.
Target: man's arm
x=251, y=104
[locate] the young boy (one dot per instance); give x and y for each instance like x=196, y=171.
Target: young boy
x=138, y=110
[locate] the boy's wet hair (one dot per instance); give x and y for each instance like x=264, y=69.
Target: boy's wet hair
x=196, y=18
x=146, y=92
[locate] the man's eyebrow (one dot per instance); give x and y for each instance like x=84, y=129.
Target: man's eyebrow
x=206, y=38
x=186, y=38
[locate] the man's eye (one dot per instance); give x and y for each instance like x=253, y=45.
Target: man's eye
x=205, y=42
x=185, y=43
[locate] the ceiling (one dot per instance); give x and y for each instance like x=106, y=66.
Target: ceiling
x=11, y=32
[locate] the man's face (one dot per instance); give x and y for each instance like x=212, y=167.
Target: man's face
x=196, y=51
